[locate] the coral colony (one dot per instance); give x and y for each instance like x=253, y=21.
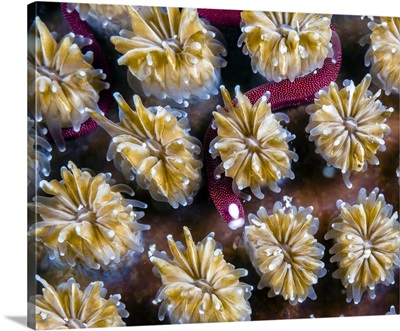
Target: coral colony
x=90, y=233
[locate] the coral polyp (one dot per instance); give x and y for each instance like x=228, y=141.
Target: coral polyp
x=109, y=19
x=154, y=145
x=86, y=221
x=366, y=244
x=252, y=144
x=383, y=54
x=285, y=45
x=348, y=126
x=173, y=54
x=199, y=285
x=61, y=80
x=69, y=307
x=284, y=252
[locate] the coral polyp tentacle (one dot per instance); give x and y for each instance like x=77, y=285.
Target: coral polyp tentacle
x=281, y=94
x=105, y=19
x=38, y=156
x=285, y=45
x=252, y=144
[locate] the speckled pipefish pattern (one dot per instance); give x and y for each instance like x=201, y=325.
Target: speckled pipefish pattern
x=221, y=16
x=80, y=27
x=282, y=94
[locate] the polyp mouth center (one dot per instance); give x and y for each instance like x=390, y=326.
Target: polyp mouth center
x=287, y=252
x=252, y=144
x=350, y=124
x=204, y=285
x=48, y=72
x=86, y=215
x=367, y=249
x=174, y=44
x=284, y=30
x=74, y=323
x=155, y=147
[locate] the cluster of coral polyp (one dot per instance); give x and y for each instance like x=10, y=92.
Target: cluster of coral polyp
x=87, y=226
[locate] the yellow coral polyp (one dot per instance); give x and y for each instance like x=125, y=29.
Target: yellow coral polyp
x=199, y=285
x=384, y=53
x=154, y=145
x=285, y=45
x=69, y=307
x=252, y=144
x=61, y=81
x=284, y=252
x=86, y=221
x=348, y=126
x=172, y=53
x=366, y=246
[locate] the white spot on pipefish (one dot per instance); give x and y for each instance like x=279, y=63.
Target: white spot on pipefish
x=234, y=212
